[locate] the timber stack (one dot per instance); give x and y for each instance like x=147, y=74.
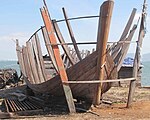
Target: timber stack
x=75, y=74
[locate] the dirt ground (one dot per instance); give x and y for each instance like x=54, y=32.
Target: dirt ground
x=140, y=109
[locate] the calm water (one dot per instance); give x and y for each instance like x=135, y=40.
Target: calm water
x=10, y=64
x=146, y=74
x=145, y=71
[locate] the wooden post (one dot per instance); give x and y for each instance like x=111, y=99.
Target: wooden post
x=102, y=38
x=59, y=62
x=61, y=40
x=71, y=35
x=136, y=64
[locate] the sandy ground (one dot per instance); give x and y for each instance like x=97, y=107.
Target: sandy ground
x=140, y=109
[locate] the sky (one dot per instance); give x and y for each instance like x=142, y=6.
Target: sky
x=21, y=18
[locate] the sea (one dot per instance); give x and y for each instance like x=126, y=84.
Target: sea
x=145, y=70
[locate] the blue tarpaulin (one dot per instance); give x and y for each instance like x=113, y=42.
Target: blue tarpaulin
x=128, y=61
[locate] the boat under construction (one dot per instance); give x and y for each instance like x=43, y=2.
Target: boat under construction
x=71, y=73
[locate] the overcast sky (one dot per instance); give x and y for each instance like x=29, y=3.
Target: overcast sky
x=21, y=18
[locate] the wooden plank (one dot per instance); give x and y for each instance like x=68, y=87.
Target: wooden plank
x=71, y=34
x=98, y=81
x=32, y=63
x=28, y=70
x=136, y=64
x=82, y=54
x=62, y=41
x=38, y=59
x=59, y=62
x=67, y=63
x=40, y=56
x=124, y=34
x=6, y=115
x=49, y=47
x=20, y=57
x=102, y=38
x=64, y=58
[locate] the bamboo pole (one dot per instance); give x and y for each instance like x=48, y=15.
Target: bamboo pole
x=102, y=38
x=59, y=62
x=136, y=65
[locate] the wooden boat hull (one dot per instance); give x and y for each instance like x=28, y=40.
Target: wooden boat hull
x=84, y=69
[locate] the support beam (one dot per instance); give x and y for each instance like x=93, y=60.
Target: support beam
x=102, y=38
x=136, y=65
x=71, y=34
x=59, y=62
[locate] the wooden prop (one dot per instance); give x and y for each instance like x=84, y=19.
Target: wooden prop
x=59, y=62
x=102, y=38
x=136, y=64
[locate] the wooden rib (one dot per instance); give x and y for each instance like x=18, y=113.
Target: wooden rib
x=102, y=38
x=32, y=62
x=59, y=62
x=27, y=66
x=124, y=34
x=72, y=35
x=62, y=41
x=124, y=50
x=49, y=48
